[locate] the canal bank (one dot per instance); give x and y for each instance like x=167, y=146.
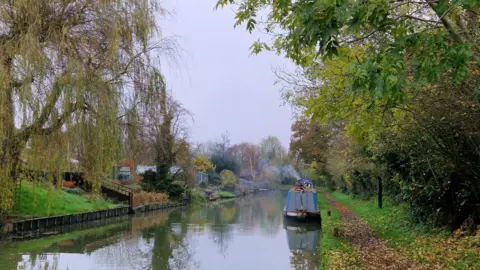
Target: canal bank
x=46, y=226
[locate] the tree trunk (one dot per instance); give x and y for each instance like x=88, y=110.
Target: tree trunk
x=11, y=145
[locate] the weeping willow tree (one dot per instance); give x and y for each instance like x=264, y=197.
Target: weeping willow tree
x=65, y=68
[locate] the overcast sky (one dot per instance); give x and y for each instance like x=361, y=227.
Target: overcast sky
x=218, y=80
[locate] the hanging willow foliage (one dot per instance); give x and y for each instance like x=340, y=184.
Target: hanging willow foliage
x=64, y=68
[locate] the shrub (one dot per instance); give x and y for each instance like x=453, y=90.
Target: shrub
x=175, y=191
x=203, y=184
x=196, y=195
x=149, y=178
x=214, y=179
x=363, y=184
x=143, y=198
x=228, y=178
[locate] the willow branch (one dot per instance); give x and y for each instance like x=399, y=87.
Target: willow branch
x=60, y=121
x=44, y=114
x=130, y=63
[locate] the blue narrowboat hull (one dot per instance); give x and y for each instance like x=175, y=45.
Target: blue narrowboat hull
x=302, y=206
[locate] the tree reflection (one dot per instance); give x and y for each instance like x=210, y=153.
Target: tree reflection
x=221, y=234
x=155, y=240
x=171, y=248
x=305, y=260
x=9, y=260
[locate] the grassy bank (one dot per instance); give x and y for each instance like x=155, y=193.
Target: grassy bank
x=42, y=200
x=429, y=246
x=337, y=253
x=226, y=195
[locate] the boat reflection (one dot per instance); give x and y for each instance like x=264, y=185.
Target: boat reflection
x=304, y=243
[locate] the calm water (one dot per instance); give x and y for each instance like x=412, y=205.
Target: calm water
x=246, y=233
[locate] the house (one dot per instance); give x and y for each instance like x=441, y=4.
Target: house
x=143, y=168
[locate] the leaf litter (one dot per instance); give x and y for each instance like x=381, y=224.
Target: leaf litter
x=372, y=251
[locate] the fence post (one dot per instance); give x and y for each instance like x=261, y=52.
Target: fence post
x=380, y=195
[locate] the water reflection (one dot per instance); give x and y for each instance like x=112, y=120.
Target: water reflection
x=303, y=242
x=246, y=233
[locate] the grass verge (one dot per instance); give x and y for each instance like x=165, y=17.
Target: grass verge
x=433, y=247
x=336, y=253
x=226, y=194
x=43, y=200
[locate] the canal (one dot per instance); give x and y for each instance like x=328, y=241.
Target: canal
x=245, y=233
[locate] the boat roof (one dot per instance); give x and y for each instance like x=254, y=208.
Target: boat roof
x=301, y=189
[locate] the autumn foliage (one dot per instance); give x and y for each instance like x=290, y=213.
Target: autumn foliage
x=228, y=178
x=202, y=164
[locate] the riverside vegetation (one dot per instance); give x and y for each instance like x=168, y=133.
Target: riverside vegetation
x=386, y=92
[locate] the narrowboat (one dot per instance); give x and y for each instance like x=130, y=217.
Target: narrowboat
x=302, y=203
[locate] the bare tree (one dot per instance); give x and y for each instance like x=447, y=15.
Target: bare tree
x=161, y=131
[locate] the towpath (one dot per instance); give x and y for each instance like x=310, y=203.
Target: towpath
x=373, y=252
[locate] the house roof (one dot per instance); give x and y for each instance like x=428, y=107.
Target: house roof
x=143, y=168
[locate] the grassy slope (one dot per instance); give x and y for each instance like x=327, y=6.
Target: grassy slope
x=226, y=194
x=425, y=245
x=39, y=201
x=336, y=252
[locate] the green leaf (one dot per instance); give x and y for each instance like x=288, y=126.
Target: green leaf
x=251, y=25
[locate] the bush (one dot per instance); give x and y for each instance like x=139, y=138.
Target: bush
x=228, y=178
x=214, y=179
x=149, y=178
x=363, y=184
x=196, y=195
x=175, y=191
x=203, y=184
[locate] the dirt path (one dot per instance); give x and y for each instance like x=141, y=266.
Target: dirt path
x=373, y=252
